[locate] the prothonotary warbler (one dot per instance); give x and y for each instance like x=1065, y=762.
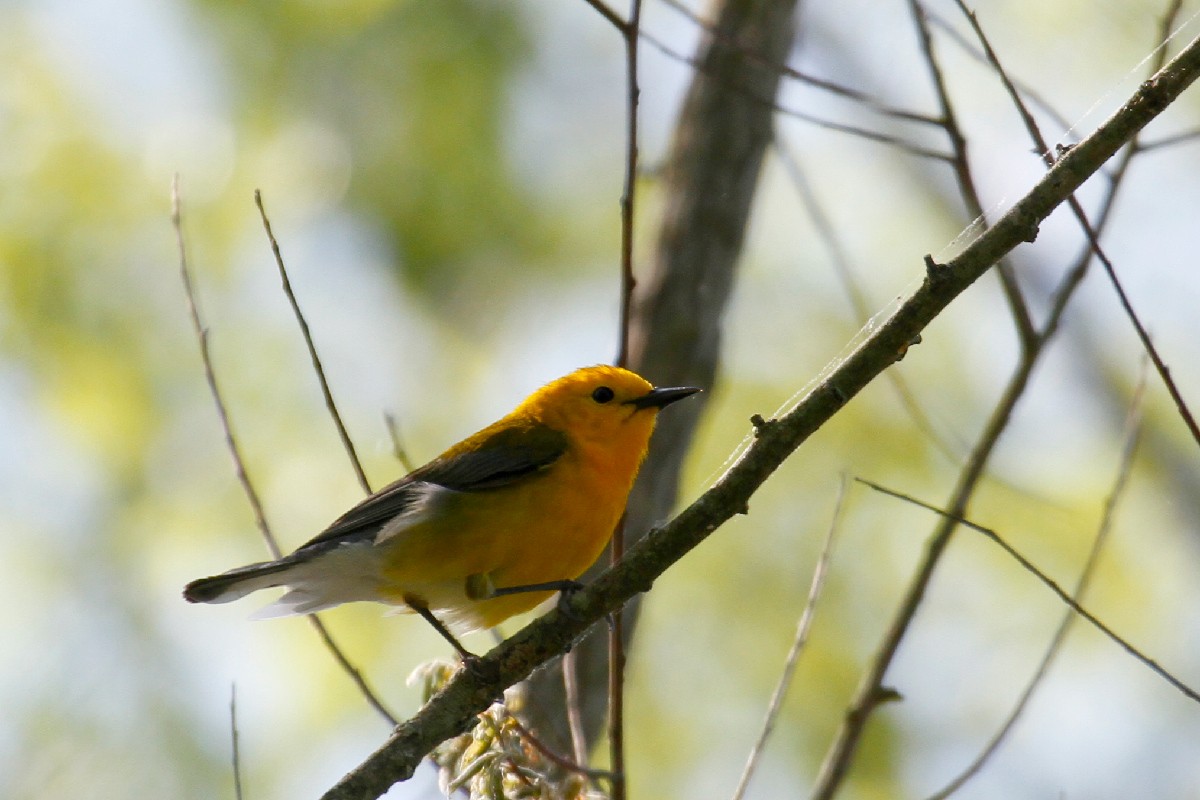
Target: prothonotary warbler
x=488, y=529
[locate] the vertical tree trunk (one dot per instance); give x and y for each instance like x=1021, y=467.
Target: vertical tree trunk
x=711, y=176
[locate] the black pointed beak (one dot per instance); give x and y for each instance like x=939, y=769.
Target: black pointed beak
x=658, y=398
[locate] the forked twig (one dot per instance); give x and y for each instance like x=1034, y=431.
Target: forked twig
x=820, y=122
x=326, y=392
x=1048, y=582
x=823, y=84
x=842, y=750
x=1035, y=134
x=798, y=642
x=231, y=444
x=1132, y=435
x=398, y=448
x=963, y=174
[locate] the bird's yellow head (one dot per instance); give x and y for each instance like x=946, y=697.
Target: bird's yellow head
x=602, y=404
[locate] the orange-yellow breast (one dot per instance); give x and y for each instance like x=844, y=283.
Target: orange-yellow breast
x=550, y=526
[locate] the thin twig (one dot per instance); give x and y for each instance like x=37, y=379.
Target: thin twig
x=233, y=739
x=210, y=377
x=239, y=466
x=354, y=672
x=617, y=549
x=612, y=16
x=1028, y=91
x=961, y=165
x=1132, y=435
x=326, y=392
x=866, y=697
x=1035, y=133
x=398, y=448
x=1164, y=372
x=824, y=84
x=801, y=638
x=574, y=718
x=559, y=761
x=1172, y=140
x=453, y=709
x=616, y=638
x=1049, y=583
x=838, y=127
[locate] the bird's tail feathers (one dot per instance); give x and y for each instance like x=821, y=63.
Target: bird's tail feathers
x=317, y=580
x=237, y=583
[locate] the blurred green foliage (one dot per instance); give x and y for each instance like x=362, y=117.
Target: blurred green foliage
x=442, y=277
x=420, y=93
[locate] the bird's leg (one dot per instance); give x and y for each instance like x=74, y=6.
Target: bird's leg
x=481, y=587
x=567, y=587
x=418, y=606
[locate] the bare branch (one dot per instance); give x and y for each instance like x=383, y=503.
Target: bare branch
x=1132, y=434
x=330, y=405
x=798, y=642
x=839, y=127
x=398, y=449
x=616, y=548
x=470, y=691
x=210, y=377
x=239, y=464
x=841, y=752
x=1049, y=583
x=966, y=180
x=1035, y=134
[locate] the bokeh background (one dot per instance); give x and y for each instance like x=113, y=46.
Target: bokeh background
x=443, y=178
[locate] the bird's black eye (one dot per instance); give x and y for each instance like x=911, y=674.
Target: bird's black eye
x=603, y=394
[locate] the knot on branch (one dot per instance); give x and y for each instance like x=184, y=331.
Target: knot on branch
x=761, y=426
x=904, y=348
x=933, y=270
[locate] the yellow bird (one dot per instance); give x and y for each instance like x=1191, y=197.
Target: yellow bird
x=488, y=529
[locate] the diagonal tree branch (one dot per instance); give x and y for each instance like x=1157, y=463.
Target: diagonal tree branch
x=866, y=697
x=452, y=710
x=1089, y=231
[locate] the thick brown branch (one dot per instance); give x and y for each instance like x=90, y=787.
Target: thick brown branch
x=452, y=710
x=710, y=180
